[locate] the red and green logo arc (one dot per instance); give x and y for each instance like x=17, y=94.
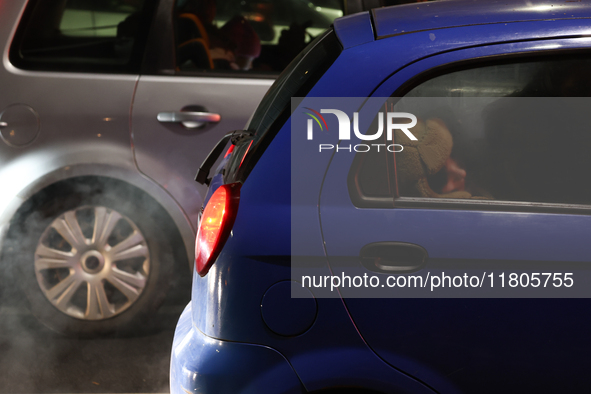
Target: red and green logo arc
x=315, y=116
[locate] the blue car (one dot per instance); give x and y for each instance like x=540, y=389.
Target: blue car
x=446, y=252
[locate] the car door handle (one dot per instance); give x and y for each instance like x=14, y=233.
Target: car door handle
x=190, y=120
x=393, y=257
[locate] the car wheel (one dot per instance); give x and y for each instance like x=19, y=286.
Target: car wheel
x=94, y=261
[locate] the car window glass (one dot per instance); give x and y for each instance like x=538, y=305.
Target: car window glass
x=504, y=132
x=247, y=36
x=80, y=35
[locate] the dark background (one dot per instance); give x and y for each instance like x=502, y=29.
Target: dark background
x=34, y=359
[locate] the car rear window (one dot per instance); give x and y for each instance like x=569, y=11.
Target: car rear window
x=274, y=110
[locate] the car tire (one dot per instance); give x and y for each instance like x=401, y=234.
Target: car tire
x=92, y=259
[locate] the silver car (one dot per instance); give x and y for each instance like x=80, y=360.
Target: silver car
x=106, y=109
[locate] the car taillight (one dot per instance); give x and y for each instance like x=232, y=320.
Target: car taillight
x=215, y=225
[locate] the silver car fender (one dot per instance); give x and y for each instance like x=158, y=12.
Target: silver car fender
x=35, y=170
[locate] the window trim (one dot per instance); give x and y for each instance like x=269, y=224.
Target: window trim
x=490, y=205
x=228, y=74
x=399, y=202
x=160, y=51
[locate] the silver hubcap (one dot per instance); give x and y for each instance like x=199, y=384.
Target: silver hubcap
x=92, y=263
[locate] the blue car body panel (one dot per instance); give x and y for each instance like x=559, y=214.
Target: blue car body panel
x=433, y=331
x=201, y=364
x=230, y=295
x=409, y=18
x=428, y=338
x=419, y=345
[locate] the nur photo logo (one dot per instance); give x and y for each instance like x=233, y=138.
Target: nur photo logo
x=391, y=119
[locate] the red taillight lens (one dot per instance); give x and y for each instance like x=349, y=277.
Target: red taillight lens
x=215, y=225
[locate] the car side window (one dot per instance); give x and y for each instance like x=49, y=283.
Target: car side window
x=82, y=35
x=509, y=132
x=247, y=36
